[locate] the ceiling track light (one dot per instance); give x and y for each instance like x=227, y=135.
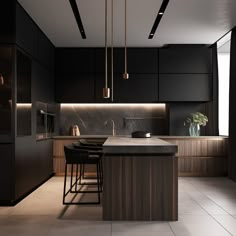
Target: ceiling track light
x=125, y=75
x=158, y=18
x=77, y=17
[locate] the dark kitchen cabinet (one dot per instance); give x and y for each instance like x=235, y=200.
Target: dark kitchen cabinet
x=185, y=87
x=75, y=78
x=75, y=61
x=43, y=83
x=138, y=88
x=6, y=93
x=26, y=31
x=45, y=50
x=75, y=88
x=139, y=60
x=23, y=74
x=142, y=60
x=6, y=172
x=185, y=59
x=7, y=21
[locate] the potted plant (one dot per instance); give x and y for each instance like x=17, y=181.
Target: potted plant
x=196, y=120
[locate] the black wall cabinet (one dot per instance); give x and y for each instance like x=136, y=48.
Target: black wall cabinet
x=7, y=21
x=185, y=87
x=26, y=31
x=75, y=78
x=75, y=61
x=45, y=51
x=138, y=88
x=75, y=88
x=185, y=59
x=139, y=60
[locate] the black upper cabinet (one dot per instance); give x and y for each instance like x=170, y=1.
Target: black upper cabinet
x=7, y=21
x=100, y=60
x=45, y=50
x=142, y=60
x=75, y=75
x=43, y=83
x=75, y=60
x=138, y=88
x=139, y=60
x=32, y=40
x=23, y=78
x=185, y=87
x=26, y=31
x=185, y=59
x=74, y=88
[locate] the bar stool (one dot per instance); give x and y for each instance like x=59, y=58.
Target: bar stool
x=94, y=148
x=80, y=157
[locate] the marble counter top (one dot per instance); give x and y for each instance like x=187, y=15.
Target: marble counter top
x=125, y=145
x=81, y=136
x=161, y=137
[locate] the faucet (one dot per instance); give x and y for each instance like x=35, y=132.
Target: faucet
x=113, y=126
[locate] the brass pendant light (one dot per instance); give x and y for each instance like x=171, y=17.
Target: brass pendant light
x=125, y=75
x=106, y=90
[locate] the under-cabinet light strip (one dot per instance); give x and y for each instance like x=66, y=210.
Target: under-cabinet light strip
x=161, y=105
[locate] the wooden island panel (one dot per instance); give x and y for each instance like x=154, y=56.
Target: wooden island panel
x=139, y=187
x=140, y=179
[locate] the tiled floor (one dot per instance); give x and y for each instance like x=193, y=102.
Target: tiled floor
x=207, y=207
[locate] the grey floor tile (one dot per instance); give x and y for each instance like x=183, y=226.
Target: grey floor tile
x=200, y=199
x=142, y=234
x=228, y=222
x=140, y=227
x=198, y=225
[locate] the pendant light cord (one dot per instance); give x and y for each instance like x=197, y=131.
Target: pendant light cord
x=125, y=40
x=106, y=44
x=112, y=50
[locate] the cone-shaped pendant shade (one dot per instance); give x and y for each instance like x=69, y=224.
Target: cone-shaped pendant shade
x=106, y=92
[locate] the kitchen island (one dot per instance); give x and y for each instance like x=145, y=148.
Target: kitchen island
x=140, y=179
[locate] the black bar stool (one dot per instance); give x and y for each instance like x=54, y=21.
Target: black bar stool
x=80, y=157
x=94, y=147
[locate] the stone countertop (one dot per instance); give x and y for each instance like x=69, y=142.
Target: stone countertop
x=161, y=137
x=128, y=145
x=81, y=136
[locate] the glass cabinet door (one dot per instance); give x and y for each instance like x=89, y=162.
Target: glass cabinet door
x=6, y=75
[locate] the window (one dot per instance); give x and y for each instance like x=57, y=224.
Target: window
x=223, y=47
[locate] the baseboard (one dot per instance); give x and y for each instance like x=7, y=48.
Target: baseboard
x=16, y=201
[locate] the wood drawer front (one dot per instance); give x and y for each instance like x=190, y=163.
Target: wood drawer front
x=200, y=148
x=202, y=166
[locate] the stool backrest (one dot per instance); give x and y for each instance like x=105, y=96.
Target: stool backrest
x=75, y=155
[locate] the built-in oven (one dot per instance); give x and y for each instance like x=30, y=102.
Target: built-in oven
x=46, y=120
